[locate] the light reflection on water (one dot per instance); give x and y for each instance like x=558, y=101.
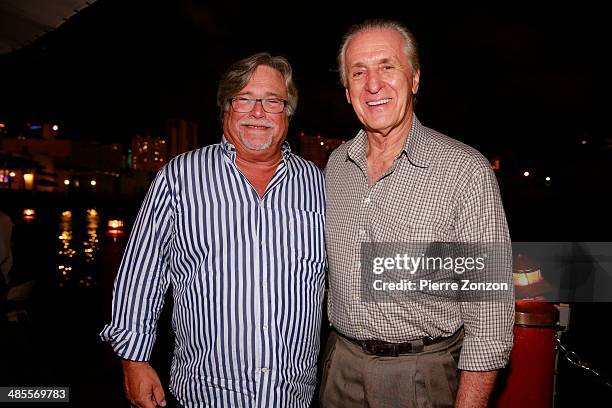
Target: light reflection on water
x=76, y=263
x=90, y=247
x=66, y=252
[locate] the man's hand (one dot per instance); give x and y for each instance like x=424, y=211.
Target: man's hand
x=142, y=386
x=475, y=388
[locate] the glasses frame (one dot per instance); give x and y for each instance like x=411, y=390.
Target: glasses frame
x=254, y=101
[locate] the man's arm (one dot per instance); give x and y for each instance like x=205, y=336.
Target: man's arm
x=488, y=319
x=142, y=386
x=475, y=387
x=139, y=291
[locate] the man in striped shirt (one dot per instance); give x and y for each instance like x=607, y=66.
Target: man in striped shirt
x=237, y=228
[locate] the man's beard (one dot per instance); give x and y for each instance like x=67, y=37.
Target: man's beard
x=261, y=145
x=256, y=146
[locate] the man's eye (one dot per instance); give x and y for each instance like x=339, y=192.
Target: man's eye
x=242, y=99
x=388, y=67
x=273, y=101
x=357, y=74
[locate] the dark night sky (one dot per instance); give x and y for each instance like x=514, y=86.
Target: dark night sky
x=519, y=79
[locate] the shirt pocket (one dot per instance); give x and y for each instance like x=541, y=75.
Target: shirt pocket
x=416, y=232
x=387, y=227
x=306, y=235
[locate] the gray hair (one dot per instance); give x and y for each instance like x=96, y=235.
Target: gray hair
x=239, y=74
x=410, y=44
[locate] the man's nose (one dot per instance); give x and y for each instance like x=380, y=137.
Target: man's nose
x=373, y=83
x=258, y=110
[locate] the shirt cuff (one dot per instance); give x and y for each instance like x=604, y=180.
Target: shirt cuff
x=482, y=354
x=128, y=344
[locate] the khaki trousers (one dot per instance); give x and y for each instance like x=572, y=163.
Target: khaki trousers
x=353, y=378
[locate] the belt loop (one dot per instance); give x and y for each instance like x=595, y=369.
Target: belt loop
x=417, y=346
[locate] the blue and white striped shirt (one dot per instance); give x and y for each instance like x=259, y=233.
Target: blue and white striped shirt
x=247, y=277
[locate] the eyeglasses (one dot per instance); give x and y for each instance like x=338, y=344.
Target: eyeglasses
x=241, y=104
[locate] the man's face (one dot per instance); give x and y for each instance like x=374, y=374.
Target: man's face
x=380, y=81
x=257, y=130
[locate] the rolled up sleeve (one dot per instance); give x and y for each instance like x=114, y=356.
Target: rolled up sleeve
x=488, y=335
x=143, y=276
x=488, y=321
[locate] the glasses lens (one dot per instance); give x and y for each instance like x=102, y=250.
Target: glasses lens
x=273, y=105
x=244, y=105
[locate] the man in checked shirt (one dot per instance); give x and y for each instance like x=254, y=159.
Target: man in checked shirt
x=399, y=181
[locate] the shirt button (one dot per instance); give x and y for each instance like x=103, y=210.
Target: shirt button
x=264, y=370
x=355, y=297
x=263, y=284
x=261, y=204
x=358, y=265
x=265, y=327
x=263, y=243
x=362, y=232
x=366, y=200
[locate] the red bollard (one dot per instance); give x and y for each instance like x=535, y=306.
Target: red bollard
x=528, y=380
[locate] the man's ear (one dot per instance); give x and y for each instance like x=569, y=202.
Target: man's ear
x=225, y=119
x=348, y=96
x=415, y=81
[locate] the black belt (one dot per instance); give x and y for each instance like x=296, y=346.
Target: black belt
x=386, y=349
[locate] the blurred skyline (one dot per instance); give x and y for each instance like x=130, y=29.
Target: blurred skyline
x=516, y=80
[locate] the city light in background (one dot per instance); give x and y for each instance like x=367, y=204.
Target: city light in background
x=28, y=214
x=114, y=229
x=28, y=179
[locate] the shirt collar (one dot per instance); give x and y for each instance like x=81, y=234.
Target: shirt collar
x=415, y=146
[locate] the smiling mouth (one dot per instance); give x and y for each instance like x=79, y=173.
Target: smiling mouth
x=257, y=127
x=379, y=102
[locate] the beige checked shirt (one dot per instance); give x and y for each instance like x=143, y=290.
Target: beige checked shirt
x=438, y=189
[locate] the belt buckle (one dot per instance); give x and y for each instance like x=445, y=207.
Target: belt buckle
x=395, y=350
x=381, y=350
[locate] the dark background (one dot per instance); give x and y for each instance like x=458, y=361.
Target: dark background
x=528, y=83
x=521, y=78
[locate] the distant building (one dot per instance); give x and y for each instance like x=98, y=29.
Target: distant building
x=65, y=153
x=317, y=149
x=182, y=136
x=42, y=162
x=148, y=153
x=151, y=153
x=17, y=172
x=36, y=159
